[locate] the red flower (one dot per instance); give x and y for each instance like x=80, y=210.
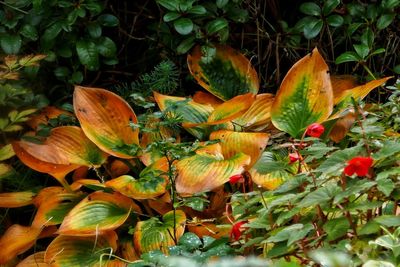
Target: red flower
x=238, y=178
x=358, y=165
x=315, y=130
x=237, y=230
x=293, y=157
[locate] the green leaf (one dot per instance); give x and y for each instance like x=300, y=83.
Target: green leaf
x=371, y=227
x=353, y=189
x=330, y=257
x=6, y=152
x=221, y=3
x=61, y=72
x=333, y=166
x=329, y=6
x=29, y=32
x=108, y=20
x=348, y=56
x=384, y=21
x=320, y=196
x=52, y=32
x=310, y=8
x=197, y=10
x=362, y=50
x=94, y=30
x=216, y=25
x=171, y=5
x=388, y=220
x=183, y=26
x=170, y=16
x=368, y=37
x=336, y=228
x=190, y=241
x=335, y=20
x=88, y=55
x=106, y=47
x=313, y=28
x=386, y=186
x=186, y=45
x=388, y=149
x=11, y=44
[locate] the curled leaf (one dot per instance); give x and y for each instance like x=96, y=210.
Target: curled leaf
x=105, y=119
x=226, y=73
x=16, y=199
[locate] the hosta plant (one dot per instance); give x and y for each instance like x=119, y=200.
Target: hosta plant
x=127, y=185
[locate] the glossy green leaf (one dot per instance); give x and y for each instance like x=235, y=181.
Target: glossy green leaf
x=304, y=97
x=106, y=47
x=170, y=16
x=385, y=20
x=186, y=45
x=313, y=28
x=80, y=251
x=335, y=20
x=197, y=10
x=11, y=44
x=362, y=50
x=171, y=5
x=310, y=8
x=96, y=214
x=329, y=6
x=87, y=53
x=216, y=25
x=336, y=228
x=223, y=71
x=108, y=20
x=183, y=26
x=348, y=56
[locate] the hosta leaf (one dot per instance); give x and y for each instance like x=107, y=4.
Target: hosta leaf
x=53, y=210
x=258, y=114
x=71, y=144
x=206, y=98
x=16, y=240
x=251, y=144
x=340, y=84
x=225, y=74
x=80, y=251
x=205, y=171
x=153, y=234
x=16, y=199
x=228, y=110
x=47, y=193
x=269, y=173
x=359, y=92
x=105, y=119
x=128, y=250
x=47, y=163
x=189, y=111
x=46, y=114
x=342, y=127
x=96, y=214
x=142, y=188
x=304, y=97
x=34, y=260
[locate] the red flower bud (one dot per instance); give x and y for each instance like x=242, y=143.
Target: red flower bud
x=238, y=178
x=293, y=157
x=358, y=165
x=237, y=230
x=315, y=130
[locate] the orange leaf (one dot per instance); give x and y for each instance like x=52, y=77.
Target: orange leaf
x=340, y=84
x=45, y=115
x=47, y=162
x=16, y=240
x=127, y=249
x=97, y=213
x=34, y=260
x=46, y=193
x=16, y=199
x=252, y=144
x=74, y=147
x=205, y=171
x=209, y=229
x=225, y=74
x=258, y=114
x=342, y=127
x=105, y=118
x=206, y=98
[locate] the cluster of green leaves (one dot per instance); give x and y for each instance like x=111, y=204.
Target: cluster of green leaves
x=199, y=22
x=69, y=33
x=355, y=31
x=323, y=216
